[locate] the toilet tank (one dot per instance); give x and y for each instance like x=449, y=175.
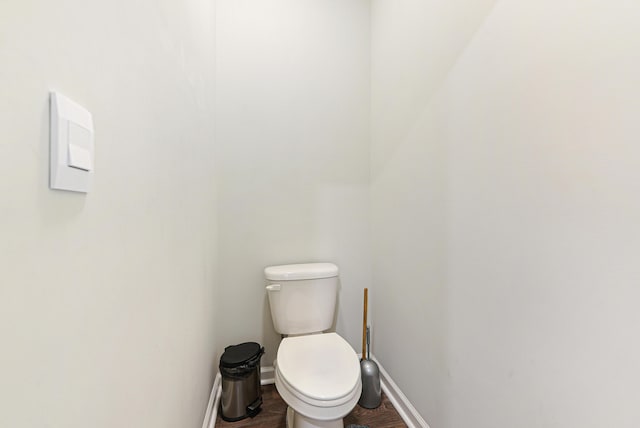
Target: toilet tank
x=302, y=297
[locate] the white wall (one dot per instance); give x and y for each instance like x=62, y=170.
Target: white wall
x=106, y=299
x=505, y=210
x=293, y=153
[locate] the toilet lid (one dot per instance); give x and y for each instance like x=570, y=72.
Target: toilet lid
x=319, y=366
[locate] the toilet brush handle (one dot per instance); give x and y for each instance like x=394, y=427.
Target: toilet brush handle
x=364, y=323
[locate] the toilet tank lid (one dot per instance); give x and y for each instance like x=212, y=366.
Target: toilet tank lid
x=301, y=271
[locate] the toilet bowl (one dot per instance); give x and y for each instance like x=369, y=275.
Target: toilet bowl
x=317, y=374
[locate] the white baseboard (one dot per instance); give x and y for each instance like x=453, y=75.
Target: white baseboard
x=211, y=413
x=267, y=375
x=403, y=406
x=407, y=412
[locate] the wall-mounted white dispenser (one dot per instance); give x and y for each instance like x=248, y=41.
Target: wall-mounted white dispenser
x=71, y=152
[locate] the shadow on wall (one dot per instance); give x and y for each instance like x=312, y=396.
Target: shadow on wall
x=334, y=325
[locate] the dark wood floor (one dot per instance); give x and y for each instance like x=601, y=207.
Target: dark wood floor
x=273, y=414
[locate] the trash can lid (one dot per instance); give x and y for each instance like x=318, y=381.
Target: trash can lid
x=237, y=355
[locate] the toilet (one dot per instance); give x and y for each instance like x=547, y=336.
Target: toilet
x=317, y=374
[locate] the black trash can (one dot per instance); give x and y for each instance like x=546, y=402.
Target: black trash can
x=240, y=370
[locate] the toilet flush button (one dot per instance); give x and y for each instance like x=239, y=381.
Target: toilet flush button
x=71, y=165
x=79, y=147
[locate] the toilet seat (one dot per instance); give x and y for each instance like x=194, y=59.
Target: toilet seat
x=318, y=375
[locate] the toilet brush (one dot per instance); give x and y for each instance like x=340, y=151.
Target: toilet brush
x=371, y=392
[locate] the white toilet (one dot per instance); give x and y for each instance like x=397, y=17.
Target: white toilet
x=317, y=374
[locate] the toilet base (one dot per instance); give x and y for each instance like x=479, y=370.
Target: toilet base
x=296, y=420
